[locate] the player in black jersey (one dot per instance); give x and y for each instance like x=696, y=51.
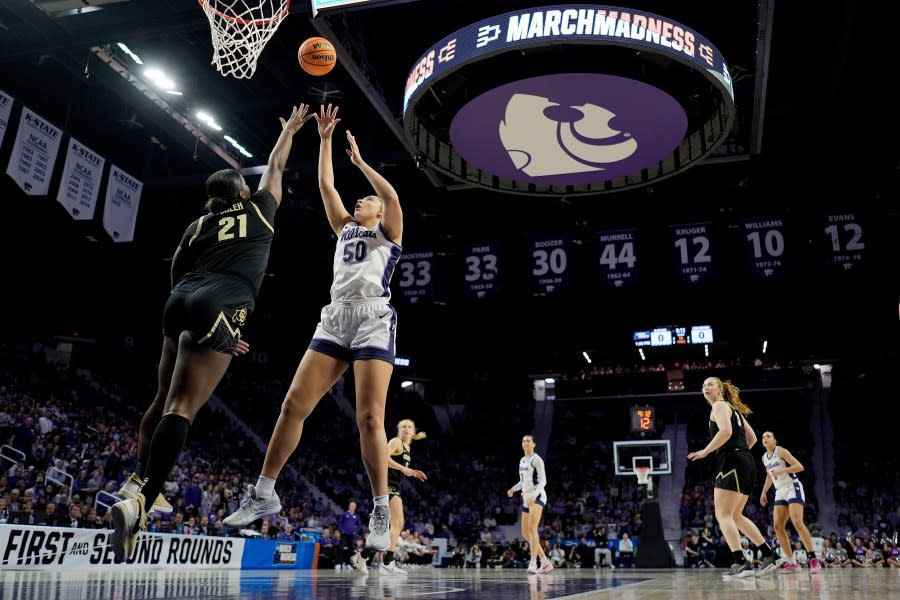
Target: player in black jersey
x=216, y=274
x=732, y=437
x=399, y=459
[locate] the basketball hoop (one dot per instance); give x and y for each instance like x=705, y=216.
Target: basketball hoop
x=643, y=475
x=240, y=30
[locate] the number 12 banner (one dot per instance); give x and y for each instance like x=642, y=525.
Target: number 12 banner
x=844, y=244
x=692, y=243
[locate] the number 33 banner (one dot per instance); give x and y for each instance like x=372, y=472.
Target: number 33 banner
x=414, y=279
x=482, y=269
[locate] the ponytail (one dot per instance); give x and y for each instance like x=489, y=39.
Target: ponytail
x=732, y=395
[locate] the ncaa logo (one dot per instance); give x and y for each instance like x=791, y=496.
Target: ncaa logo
x=568, y=128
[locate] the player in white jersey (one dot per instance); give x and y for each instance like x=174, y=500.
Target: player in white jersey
x=781, y=471
x=532, y=484
x=358, y=327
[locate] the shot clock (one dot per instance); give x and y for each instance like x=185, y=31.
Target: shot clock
x=643, y=419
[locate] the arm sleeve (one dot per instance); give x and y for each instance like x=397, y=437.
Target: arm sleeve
x=516, y=487
x=538, y=464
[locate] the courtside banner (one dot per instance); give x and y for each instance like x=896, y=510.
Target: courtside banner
x=58, y=548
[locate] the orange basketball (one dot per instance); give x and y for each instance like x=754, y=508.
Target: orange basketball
x=317, y=56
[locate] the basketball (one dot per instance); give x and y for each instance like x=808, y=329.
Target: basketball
x=317, y=56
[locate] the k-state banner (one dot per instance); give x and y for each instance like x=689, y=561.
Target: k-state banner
x=764, y=239
x=617, y=251
x=6, y=104
x=550, y=269
x=692, y=245
x=80, y=183
x=34, y=153
x=844, y=242
x=482, y=269
x=123, y=196
x=415, y=277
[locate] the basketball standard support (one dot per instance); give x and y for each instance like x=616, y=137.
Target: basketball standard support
x=654, y=552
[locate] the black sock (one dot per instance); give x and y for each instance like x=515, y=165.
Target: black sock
x=139, y=468
x=388, y=557
x=766, y=549
x=167, y=444
x=738, y=557
x=811, y=555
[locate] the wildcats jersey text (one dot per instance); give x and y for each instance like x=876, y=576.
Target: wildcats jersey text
x=364, y=261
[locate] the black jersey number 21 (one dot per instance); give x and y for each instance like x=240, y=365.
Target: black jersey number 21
x=226, y=227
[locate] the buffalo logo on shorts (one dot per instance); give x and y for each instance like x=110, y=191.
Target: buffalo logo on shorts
x=239, y=316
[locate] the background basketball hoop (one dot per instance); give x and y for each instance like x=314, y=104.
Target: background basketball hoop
x=240, y=30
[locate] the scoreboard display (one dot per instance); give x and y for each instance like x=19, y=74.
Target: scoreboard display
x=674, y=336
x=643, y=419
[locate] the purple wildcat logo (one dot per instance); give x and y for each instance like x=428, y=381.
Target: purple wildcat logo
x=568, y=128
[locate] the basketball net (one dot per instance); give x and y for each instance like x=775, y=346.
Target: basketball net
x=240, y=30
x=643, y=476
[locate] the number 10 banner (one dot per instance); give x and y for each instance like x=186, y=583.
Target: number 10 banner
x=765, y=242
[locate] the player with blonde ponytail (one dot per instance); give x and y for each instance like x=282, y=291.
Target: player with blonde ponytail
x=399, y=458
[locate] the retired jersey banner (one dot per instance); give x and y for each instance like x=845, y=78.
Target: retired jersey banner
x=844, y=242
x=482, y=269
x=34, y=153
x=415, y=277
x=550, y=265
x=6, y=104
x=58, y=548
x=123, y=196
x=80, y=184
x=764, y=239
x=617, y=250
x=692, y=245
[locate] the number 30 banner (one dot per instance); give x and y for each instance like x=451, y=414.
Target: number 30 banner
x=549, y=265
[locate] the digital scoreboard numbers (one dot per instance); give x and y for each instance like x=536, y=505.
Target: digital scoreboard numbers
x=662, y=337
x=643, y=419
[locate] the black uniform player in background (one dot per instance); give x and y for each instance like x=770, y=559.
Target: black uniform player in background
x=217, y=271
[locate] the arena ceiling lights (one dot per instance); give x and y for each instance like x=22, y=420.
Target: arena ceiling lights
x=568, y=100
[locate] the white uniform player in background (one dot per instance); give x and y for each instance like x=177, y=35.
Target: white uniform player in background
x=532, y=484
x=781, y=471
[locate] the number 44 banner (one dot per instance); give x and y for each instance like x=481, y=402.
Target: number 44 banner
x=617, y=250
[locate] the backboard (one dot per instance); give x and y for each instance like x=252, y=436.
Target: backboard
x=655, y=454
